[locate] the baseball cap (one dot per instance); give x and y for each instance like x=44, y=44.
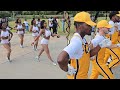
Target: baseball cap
x=118, y=14
x=84, y=17
x=103, y=23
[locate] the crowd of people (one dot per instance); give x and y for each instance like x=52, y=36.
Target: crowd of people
x=38, y=28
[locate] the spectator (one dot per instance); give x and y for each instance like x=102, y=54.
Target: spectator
x=26, y=25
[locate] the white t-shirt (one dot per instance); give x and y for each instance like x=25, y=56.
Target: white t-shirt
x=112, y=30
x=98, y=38
x=50, y=22
x=26, y=23
x=75, y=49
x=118, y=26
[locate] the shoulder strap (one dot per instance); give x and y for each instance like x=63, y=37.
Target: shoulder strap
x=76, y=35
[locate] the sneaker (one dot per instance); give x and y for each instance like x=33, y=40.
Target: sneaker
x=9, y=59
x=54, y=63
x=37, y=58
x=36, y=49
x=33, y=48
x=21, y=46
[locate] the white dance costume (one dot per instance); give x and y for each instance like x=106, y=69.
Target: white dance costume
x=4, y=34
x=19, y=31
x=35, y=31
x=47, y=33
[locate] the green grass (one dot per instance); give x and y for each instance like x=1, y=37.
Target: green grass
x=12, y=24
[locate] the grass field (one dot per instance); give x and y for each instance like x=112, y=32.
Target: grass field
x=12, y=24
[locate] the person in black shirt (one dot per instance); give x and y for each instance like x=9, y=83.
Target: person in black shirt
x=55, y=24
x=32, y=21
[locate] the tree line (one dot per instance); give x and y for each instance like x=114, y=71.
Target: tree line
x=14, y=13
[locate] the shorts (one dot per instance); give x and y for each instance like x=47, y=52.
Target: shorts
x=4, y=41
x=20, y=32
x=35, y=34
x=44, y=41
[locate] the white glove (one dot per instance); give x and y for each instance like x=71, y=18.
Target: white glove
x=105, y=43
x=71, y=70
x=118, y=45
x=93, y=57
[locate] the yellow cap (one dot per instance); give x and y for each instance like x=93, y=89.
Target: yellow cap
x=118, y=15
x=103, y=23
x=84, y=17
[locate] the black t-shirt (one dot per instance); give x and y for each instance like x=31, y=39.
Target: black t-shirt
x=55, y=23
x=0, y=24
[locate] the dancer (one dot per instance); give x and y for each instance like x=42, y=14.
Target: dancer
x=44, y=42
x=5, y=37
x=26, y=25
x=38, y=23
x=35, y=32
x=20, y=31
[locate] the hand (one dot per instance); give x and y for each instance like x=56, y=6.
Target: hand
x=9, y=39
x=105, y=43
x=93, y=57
x=32, y=43
x=71, y=70
x=118, y=45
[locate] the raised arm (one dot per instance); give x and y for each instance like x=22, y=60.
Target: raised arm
x=41, y=32
x=96, y=45
x=15, y=27
x=10, y=27
x=94, y=51
x=114, y=46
